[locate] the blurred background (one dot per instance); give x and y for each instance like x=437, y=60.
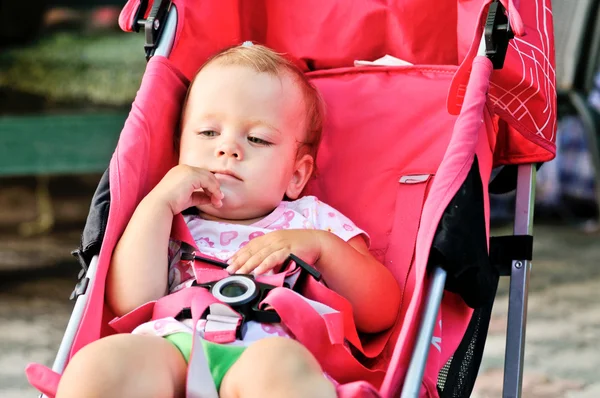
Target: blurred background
x=68, y=76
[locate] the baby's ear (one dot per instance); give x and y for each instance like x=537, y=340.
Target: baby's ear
x=302, y=172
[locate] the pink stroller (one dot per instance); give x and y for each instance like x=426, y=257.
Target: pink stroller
x=407, y=153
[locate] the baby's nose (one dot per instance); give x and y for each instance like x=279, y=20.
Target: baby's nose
x=229, y=149
x=232, y=153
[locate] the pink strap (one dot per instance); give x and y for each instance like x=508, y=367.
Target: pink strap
x=409, y=202
x=43, y=378
x=516, y=23
x=205, y=273
x=127, y=13
x=221, y=323
x=323, y=341
x=129, y=321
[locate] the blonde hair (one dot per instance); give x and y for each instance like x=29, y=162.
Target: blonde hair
x=265, y=60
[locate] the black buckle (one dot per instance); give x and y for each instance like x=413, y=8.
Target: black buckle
x=153, y=25
x=305, y=266
x=497, y=34
x=252, y=309
x=81, y=286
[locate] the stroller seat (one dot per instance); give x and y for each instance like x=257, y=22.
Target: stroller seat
x=407, y=151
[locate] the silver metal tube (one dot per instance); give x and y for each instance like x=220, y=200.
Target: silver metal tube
x=519, y=285
x=67, y=341
x=167, y=38
x=414, y=374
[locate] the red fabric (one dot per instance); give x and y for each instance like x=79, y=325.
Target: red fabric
x=141, y=159
x=469, y=137
x=42, y=378
x=523, y=92
x=362, y=179
x=331, y=34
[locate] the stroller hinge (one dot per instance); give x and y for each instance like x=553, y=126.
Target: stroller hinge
x=497, y=34
x=153, y=25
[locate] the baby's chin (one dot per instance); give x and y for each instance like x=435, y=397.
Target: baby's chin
x=240, y=214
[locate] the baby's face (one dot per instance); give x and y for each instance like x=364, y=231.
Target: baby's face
x=244, y=126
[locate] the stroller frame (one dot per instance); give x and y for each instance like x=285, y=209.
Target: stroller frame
x=160, y=28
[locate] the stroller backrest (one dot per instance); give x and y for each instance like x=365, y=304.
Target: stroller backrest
x=382, y=124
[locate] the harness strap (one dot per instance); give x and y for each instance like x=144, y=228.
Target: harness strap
x=321, y=293
x=200, y=383
x=221, y=324
x=322, y=335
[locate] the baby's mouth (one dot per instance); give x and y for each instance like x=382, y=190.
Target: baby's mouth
x=226, y=175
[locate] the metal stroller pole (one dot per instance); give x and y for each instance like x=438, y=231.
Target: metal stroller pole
x=414, y=374
x=519, y=284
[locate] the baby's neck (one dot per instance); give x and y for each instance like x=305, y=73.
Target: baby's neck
x=249, y=221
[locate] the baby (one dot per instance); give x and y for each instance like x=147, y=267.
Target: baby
x=250, y=129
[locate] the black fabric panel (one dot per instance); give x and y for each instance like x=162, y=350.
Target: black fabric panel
x=505, y=181
x=95, y=225
x=460, y=244
x=457, y=378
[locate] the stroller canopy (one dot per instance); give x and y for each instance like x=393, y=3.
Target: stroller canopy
x=333, y=34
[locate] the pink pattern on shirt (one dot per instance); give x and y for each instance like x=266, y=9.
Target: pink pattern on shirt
x=273, y=329
x=227, y=237
x=204, y=242
x=285, y=223
x=252, y=236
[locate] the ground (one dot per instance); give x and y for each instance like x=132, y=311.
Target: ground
x=562, y=355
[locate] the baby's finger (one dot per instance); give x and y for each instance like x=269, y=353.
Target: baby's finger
x=200, y=198
x=239, y=258
x=272, y=261
x=254, y=261
x=216, y=201
x=203, y=179
x=212, y=185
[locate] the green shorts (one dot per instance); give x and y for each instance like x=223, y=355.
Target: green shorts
x=220, y=357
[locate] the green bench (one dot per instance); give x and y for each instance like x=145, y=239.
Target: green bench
x=63, y=103
x=58, y=144
x=64, y=99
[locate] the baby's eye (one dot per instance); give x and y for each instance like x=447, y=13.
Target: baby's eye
x=208, y=133
x=259, y=141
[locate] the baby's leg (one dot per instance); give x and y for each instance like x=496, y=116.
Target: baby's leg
x=276, y=367
x=125, y=365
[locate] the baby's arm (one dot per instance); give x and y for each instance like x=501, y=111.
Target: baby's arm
x=347, y=267
x=353, y=272
x=138, y=271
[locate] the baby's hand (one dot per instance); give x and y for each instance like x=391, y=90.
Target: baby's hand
x=187, y=186
x=269, y=251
